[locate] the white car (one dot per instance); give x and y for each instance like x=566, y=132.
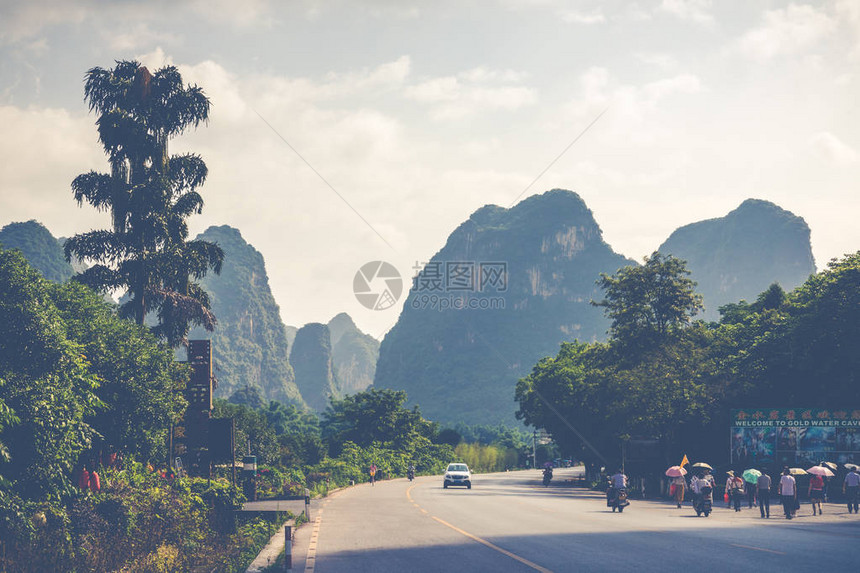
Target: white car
x=457, y=474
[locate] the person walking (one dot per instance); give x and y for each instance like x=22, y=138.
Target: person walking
x=735, y=487
x=373, y=474
x=763, y=486
x=680, y=484
x=95, y=482
x=816, y=492
x=750, y=488
x=851, y=488
x=84, y=479
x=787, y=491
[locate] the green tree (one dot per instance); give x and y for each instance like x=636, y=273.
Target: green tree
x=140, y=382
x=802, y=351
x=249, y=395
x=373, y=416
x=44, y=382
x=252, y=430
x=650, y=302
x=149, y=195
x=298, y=434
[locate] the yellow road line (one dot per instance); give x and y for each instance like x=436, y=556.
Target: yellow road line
x=514, y=556
x=311, y=558
x=484, y=542
x=757, y=549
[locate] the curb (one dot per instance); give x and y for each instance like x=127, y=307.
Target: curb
x=269, y=554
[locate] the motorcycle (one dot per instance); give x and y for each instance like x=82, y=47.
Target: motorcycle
x=617, y=499
x=547, y=476
x=410, y=474
x=704, y=501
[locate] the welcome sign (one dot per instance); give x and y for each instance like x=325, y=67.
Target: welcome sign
x=795, y=436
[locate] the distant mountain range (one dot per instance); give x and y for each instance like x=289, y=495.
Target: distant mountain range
x=738, y=256
x=354, y=354
x=253, y=348
x=39, y=247
x=311, y=356
x=506, y=289
x=249, y=344
x=463, y=364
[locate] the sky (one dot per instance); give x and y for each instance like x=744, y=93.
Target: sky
x=368, y=130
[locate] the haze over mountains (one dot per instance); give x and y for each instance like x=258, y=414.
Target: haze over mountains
x=506, y=289
x=253, y=347
x=738, y=256
x=39, y=247
x=462, y=365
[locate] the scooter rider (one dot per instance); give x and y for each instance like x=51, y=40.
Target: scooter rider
x=618, y=481
x=706, y=476
x=695, y=484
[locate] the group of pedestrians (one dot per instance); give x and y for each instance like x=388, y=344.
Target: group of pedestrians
x=788, y=492
x=758, y=492
x=89, y=480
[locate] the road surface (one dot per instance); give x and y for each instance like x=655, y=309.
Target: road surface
x=510, y=522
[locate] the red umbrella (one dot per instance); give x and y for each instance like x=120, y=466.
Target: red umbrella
x=676, y=471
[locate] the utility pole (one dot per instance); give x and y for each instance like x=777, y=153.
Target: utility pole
x=534, y=448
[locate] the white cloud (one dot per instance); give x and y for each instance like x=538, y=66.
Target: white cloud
x=790, y=30
x=680, y=84
x=25, y=20
x=660, y=61
x=472, y=92
x=135, y=37
x=43, y=150
x=848, y=14
x=629, y=106
x=155, y=59
x=244, y=14
x=587, y=18
x=694, y=10
x=136, y=19
x=832, y=149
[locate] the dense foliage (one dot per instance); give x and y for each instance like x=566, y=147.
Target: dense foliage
x=140, y=522
x=296, y=449
x=678, y=389
x=76, y=379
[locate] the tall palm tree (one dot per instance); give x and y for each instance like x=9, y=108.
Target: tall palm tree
x=150, y=196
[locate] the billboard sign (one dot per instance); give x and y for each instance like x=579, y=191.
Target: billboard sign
x=795, y=436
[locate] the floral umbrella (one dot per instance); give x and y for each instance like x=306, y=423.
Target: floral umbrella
x=676, y=471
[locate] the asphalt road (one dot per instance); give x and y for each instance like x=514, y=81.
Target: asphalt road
x=510, y=522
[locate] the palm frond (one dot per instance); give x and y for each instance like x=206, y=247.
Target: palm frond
x=190, y=203
x=100, y=278
x=96, y=188
x=187, y=172
x=100, y=246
